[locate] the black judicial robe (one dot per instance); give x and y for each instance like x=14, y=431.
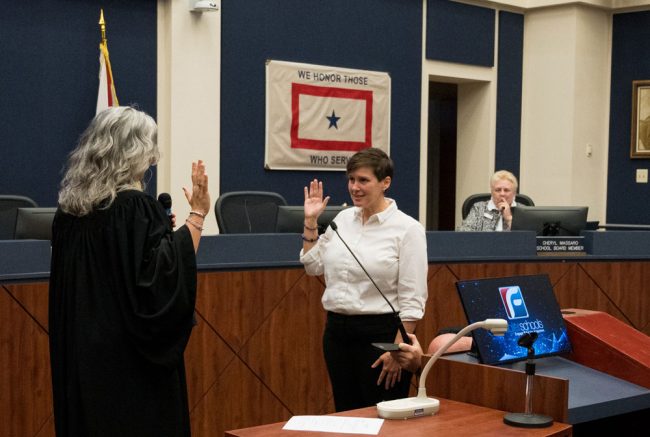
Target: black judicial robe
x=122, y=295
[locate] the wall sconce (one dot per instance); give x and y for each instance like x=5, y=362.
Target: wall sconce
x=204, y=5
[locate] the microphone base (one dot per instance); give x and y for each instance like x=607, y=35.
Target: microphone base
x=408, y=408
x=523, y=420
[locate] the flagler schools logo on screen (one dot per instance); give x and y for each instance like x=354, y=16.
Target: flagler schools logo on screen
x=513, y=302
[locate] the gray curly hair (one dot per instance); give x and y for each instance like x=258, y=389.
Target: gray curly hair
x=112, y=155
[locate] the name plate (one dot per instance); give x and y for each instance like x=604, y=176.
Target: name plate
x=560, y=246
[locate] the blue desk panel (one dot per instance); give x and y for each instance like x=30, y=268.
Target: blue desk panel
x=450, y=246
x=22, y=260
x=247, y=251
x=618, y=243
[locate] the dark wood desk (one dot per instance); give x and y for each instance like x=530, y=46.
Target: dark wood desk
x=454, y=418
x=254, y=300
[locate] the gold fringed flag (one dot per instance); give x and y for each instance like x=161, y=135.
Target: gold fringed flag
x=106, y=97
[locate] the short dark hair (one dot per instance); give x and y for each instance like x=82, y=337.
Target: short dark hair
x=376, y=159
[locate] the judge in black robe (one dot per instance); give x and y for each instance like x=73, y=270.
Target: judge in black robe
x=122, y=295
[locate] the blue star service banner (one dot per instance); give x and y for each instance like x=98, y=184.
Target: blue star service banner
x=318, y=116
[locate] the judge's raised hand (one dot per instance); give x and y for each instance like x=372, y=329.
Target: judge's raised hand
x=199, y=197
x=314, y=201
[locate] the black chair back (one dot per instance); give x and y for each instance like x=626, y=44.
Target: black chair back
x=9, y=205
x=482, y=197
x=34, y=223
x=245, y=212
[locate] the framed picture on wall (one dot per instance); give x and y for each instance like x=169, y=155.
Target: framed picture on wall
x=640, y=147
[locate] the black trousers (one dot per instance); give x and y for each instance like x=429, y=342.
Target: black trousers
x=349, y=355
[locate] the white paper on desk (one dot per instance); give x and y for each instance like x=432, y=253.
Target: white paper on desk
x=346, y=425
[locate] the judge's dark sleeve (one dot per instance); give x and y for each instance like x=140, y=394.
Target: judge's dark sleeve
x=159, y=303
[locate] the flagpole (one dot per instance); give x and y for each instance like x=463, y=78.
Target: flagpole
x=106, y=96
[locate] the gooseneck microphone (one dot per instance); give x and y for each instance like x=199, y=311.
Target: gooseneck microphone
x=166, y=201
x=400, y=325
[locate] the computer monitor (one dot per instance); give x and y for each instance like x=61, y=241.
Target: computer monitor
x=527, y=303
x=34, y=223
x=292, y=218
x=550, y=220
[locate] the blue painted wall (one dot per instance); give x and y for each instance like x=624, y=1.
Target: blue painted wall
x=627, y=201
x=460, y=33
x=464, y=34
x=380, y=35
x=508, y=129
x=48, y=81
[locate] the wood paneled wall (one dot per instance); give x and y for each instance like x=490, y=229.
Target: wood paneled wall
x=255, y=357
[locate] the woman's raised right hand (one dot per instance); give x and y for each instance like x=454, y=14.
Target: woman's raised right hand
x=314, y=202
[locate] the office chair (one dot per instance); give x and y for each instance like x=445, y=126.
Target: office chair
x=34, y=223
x=471, y=200
x=9, y=205
x=245, y=212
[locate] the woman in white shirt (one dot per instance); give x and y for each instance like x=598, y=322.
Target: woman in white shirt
x=392, y=248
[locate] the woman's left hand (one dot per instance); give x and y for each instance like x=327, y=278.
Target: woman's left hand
x=391, y=371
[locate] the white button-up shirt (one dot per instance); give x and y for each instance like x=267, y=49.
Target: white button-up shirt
x=393, y=249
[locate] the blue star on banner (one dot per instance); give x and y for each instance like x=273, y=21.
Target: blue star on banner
x=333, y=120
